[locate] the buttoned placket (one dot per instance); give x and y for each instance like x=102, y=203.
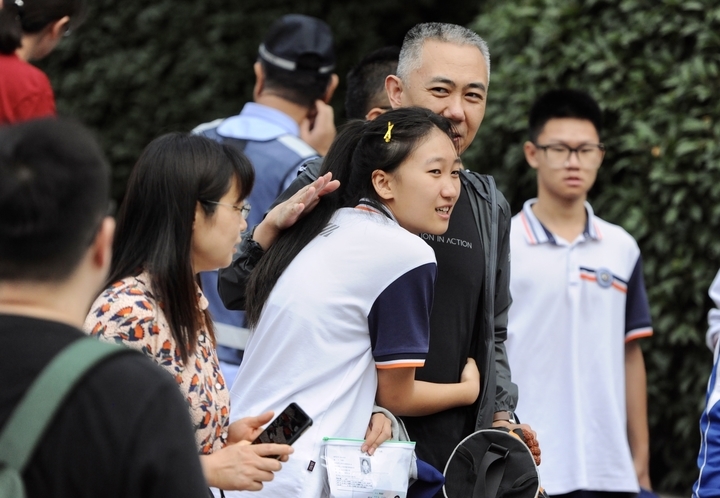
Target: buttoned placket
x=574, y=293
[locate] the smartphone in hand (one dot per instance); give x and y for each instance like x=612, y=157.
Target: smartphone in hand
x=287, y=427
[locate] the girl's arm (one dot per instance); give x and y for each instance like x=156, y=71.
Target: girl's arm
x=399, y=392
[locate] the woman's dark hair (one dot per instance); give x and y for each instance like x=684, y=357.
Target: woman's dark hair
x=359, y=149
x=155, y=222
x=31, y=16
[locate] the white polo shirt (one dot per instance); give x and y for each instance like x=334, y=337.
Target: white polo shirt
x=355, y=299
x=575, y=305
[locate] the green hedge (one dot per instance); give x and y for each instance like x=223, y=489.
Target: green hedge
x=653, y=66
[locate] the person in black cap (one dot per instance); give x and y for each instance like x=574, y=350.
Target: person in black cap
x=288, y=124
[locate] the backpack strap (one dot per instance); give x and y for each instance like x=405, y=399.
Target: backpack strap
x=45, y=396
x=489, y=475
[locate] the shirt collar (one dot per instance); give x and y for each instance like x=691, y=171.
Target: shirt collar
x=376, y=207
x=536, y=233
x=258, y=122
x=278, y=118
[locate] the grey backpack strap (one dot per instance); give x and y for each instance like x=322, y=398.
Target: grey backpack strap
x=28, y=422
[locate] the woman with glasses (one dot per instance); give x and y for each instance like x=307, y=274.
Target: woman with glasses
x=30, y=30
x=183, y=213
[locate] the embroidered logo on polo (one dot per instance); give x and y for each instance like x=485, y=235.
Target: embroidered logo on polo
x=604, y=278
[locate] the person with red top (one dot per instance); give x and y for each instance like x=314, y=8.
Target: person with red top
x=30, y=30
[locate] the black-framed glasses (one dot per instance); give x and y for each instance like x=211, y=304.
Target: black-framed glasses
x=244, y=210
x=589, y=155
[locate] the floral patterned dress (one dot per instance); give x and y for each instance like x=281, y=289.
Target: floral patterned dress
x=128, y=313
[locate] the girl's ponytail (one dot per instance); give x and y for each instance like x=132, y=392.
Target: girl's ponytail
x=279, y=256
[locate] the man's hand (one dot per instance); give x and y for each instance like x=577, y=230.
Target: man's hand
x=318, y=127
x=248, y=428
x=242, y=466
x=529, y=435
x=379, y=430
x=286, y=214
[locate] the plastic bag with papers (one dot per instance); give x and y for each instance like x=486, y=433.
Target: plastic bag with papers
x=354, y=474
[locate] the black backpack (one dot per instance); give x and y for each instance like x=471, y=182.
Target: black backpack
x=492, y=463
x=27, y=423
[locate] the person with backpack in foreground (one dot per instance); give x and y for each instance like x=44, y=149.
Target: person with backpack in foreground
x=123, y=430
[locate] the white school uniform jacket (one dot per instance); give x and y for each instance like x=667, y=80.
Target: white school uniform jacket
x=356, y=298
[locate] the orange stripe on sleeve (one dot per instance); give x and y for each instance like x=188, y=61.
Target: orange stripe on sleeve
x=409, y=364
x=638, y=334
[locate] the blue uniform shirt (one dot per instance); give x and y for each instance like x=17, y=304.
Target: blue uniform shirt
x=270, y=139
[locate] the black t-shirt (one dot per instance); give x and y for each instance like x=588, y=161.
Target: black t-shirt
x=460, y=273
x=124, y=431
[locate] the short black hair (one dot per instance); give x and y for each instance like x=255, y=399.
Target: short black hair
x=563, y=103
x=366, y=82
x=299, y=87
x=54, y=193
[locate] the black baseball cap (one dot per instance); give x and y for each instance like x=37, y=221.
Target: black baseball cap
x=299, y=43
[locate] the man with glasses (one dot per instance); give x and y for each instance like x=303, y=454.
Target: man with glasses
x=578, y=295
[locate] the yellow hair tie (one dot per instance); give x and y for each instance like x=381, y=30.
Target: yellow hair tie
x=388, y=134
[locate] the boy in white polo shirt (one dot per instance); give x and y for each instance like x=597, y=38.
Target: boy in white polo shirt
x=579, y=304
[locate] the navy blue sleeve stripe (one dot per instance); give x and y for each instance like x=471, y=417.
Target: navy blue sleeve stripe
x=637, y=309
x=399, y=320
x=401, y=356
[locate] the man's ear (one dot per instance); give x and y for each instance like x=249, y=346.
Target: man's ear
x=102, y=245
x=531, y=152
x=383, y=184
x=58, y=28
x=259, y=79
x=331, y=87
x=374, y=113
x=394, y=89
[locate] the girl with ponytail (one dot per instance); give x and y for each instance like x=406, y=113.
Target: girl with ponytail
x=30, y=30
x=340, y=303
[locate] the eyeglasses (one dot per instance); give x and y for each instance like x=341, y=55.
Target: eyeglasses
x=589, y=156
x=244, y=210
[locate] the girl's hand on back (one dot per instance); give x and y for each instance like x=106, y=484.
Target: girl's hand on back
x=285, y=214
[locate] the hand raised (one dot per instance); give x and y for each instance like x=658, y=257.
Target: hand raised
x=287, y=213
x=318, y=128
